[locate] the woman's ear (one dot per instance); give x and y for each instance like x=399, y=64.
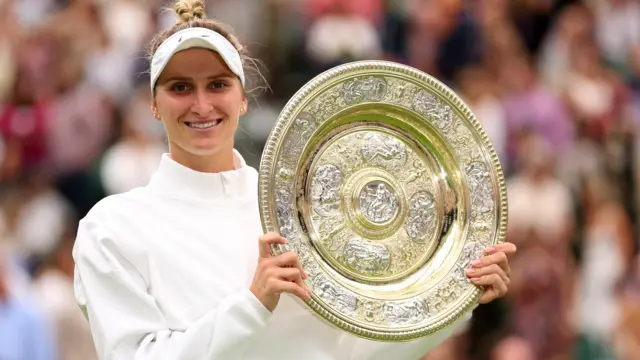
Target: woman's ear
x=154, y=110
x=243, y=106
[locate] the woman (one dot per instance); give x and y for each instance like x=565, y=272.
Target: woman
x=179, y=269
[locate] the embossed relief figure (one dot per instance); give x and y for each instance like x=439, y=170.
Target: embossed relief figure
x=284, y=211
x=420, y=224
x=371, y=259
x=181, y=269
x=383, y=150
x=371, y=88
x=409, y=312
x=378, y=204
x=479, y=186
x=326, y=190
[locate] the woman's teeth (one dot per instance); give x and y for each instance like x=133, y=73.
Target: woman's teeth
x=203, y=125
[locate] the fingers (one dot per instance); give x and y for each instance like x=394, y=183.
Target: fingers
x=496, y=287
x=279, y=286
x=499, y=258
x=489, y=270
x=492, y=272
x=507, y=248
x=488, y=296
x=289, y=259
x=266, y=241
x=277, y=274
x=289, y=274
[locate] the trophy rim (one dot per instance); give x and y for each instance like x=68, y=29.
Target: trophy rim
x=265, y=193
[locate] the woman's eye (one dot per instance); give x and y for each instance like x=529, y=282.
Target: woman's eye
x=218, y=85
x=180, y=87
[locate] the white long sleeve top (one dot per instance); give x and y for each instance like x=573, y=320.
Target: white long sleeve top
x=163, y=273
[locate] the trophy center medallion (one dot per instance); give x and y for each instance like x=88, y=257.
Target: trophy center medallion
x=378, y=203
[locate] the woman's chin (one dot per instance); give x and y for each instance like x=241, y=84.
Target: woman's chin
x=205, y=148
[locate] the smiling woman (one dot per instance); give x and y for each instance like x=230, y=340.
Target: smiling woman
x=180, y=268
x=199, y=100
x=198, y=89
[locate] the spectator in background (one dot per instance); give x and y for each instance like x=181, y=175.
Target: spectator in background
x=591, y=92
x=25, y=333
x=340, y=36
x=573, y=28
x=8, y=40
x=538, y=201
x=15, y=267
x=607, y=255
x=478, y=90
x=617, y=29
x=53, y=285
x=530, y=106
x=369, y=10
x=542, y=223
x=634, y=76
x=513, y=347
x=25, y=115
x=626, y=340
x=134, y=157
x=443, y=38
x=40, y=217
x=541, y=288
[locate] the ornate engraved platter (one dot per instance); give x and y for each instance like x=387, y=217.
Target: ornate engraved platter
x=387, y=188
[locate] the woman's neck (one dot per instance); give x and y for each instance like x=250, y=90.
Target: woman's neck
x=220, y=161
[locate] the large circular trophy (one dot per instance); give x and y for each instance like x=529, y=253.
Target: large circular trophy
x=387, y=188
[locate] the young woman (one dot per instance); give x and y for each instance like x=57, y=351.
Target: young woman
x=179, y=269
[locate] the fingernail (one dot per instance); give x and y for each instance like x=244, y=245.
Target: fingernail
x=470, y=271
x=306, y=274
x=475, y=280
x=476, y=262
x=490, y=249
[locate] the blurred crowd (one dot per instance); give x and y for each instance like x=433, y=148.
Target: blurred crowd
x=556, y=85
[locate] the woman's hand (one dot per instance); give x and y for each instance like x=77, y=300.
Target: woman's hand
x=492, y=271
x=277, y=274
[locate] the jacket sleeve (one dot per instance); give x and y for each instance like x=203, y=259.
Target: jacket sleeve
x=127, y=324
x=363, y=349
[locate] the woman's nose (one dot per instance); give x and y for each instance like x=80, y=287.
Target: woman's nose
x=202, y=105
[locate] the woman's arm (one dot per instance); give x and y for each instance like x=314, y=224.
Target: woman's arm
x=127, y=324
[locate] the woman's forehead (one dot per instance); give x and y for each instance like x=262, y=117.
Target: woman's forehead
x=194, y=63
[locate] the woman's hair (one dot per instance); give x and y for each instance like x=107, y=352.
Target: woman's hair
x=191, y=14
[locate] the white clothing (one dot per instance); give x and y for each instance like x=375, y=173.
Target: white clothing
x=163, y=272
x=50, y=210
x=544, y=206
x=617, y=27
x=603, y=267
x=332, y=37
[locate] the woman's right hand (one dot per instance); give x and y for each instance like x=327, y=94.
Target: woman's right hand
x=277, y=274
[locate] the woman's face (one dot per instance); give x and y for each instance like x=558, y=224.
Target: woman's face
x=199, y=101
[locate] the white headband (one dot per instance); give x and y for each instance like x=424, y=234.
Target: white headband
x=195, y=37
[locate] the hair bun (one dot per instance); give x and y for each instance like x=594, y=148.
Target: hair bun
x=188, y=10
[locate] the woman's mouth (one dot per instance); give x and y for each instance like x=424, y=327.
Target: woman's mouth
x=203, y=125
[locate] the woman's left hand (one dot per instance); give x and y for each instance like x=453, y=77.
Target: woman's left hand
x=492, y=271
